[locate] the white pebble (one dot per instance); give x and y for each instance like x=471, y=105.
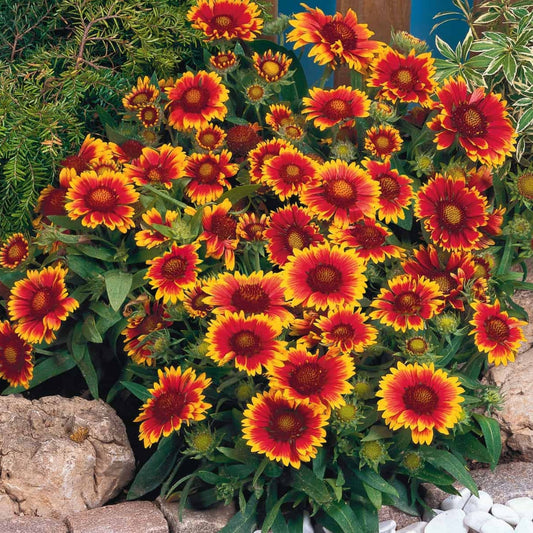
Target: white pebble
x=481, y=503
x=495, y=525
x=522, y=506
x=476, y=519
x=307, y=526
x=388, y=526
x=448, y=522
x=417, y=527
x=524, y=526
x=429, y=514
x=456, y=501
x=505, y=513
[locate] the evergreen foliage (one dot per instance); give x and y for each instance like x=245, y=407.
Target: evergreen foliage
x=62, y=60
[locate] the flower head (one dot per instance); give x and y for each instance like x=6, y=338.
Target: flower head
x=383, y=141
x=14, y=251
x=39, y=303
x=143, y=94
x=283, y=429
x=16, y=365
x=271, y=66
x=420, y=398
x=262, y=152
x=176, y=398
x=151, y=237
x=210, y=137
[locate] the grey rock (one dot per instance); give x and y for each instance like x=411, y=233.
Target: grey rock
x=206, y=521
x=387, y=512
x=60, y=455
x=434, y=496
x=483, y=502
x=417, y=527
x=127, y=517
x=456, y=501
x=388, y=526
x=32, y=524
x=507, y=481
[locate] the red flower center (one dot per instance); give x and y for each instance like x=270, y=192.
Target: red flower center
x=11, y=354
x=208, y=139
x=139, y=99
x=445, y=282
x=525, y=185
x=324, y=278
x=53, y=203
x=79, y=164
x=245, y=342
x=341, y=193
x=198, y=304
x=451, y=215
x=342, y=332
x=149, y=115
x=222, y=22
x=223, y=227
x=389, y=187
x=286, y=425
x=254, y=231
x=297, y=239
x=368, y=236
x=148, y=324
x=154, y=174
x=168, y=405
x=382, y=143
x=469, y=121
x=307, y=379
x=271, y=68
x=339, y=31
x=421, y=399
x=207, y=172
x=292, y=174
x=337, y=109
x=41, y=302
x=174, y=268
x=403, y=79
x=250, y=298
x=132, y=148
x=496, y=329
x=102, y=199
x=17, y=252
x=242, y=139
x=293, y=132
x=407, y=303
x=194, y=100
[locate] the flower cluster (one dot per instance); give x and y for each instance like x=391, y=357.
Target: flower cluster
x=307, y=272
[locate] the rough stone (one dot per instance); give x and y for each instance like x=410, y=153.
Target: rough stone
x=32, y=524
x=8, y=508
x=507, y=481
x=125, y=517
x=417, y=527
x=525, y=299
x=388, y=526
x=206, y=521
x=516, y=418
x=388, y=512
x=60, y=455
x=434, y=496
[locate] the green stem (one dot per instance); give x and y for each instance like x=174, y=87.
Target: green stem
x=164, y=195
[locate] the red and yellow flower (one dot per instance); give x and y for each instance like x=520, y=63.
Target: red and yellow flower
x=149, y=115
x=251, y=227
x=368, y=238
x=335, y=39
x=333, y=106
x=404, y=78
x=477, y=120
x=39, y=303
x=271, y=66
x=396, y=192
x=290, y=228
x=264, y=151
x=196, y=99
x=210, y=137
x=421, y=399
x=288, y=173
x=496, y=333
x=323, y=277
x=383, y=141
x=157, y=167
x=344, y=330
x=143, y=94
x=14, y=251
x=226, y=19
x=177, y=398
x=251, y=341
x=149, y=237
x=105, y=199
x=453, y=214
x=285, y=430
x=319, y=379
x=220, y=233
x=194, y=300
x=16, y=365
x=343, y=192
x=243, y=138
x=208, y=175
x=407, y=303
x=224, y=62
x=173, y=272
x=91, y=148
x=256, y=293
x=279, y=116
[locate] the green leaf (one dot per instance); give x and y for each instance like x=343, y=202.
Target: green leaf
x=444, y=48
x=244, y=520
x=156, y=469
x=376, y=481
x=240, y=192
x=509, y=67
x=84, y=267
x=525, y=120
x=118, y=285
x=492, y=436
x=44, y=370
x=344, y=516
x=273, y=512
x=375, y=496
x=305, y=480
x=90, y=331
x=448, y=462
x=95, y=252
x=82, y=356
x=469, y=446
x=138, y=390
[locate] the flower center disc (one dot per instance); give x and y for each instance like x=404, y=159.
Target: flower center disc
x=342, y=331
x=224, y=227
x=41, y=302
x=271, y=68
x=245, y=343
x=407, y=303
x=139, y=98
x=16, y=252
x=469, y=121
x=296, y=239
x=324, y=278
x=451, y=215
x=421, y=399
x=10, y=354
x=382, y=143
x=255, y=92
x=417, y=346
x=339, y=31
x=389, y=188
x=102, y=199
x=174, y=268
x=250, y=298
x=525, y=185
x=337, y=109
x=206, y=172
x=154, y=175
x=208, y=139
x=444, y=282
x=496, y=329
x=286, y=425
x=168, y=405
x=222, y=22
x=307, y=379
x=368, y=236
x=341, y=192
x=404, y=78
